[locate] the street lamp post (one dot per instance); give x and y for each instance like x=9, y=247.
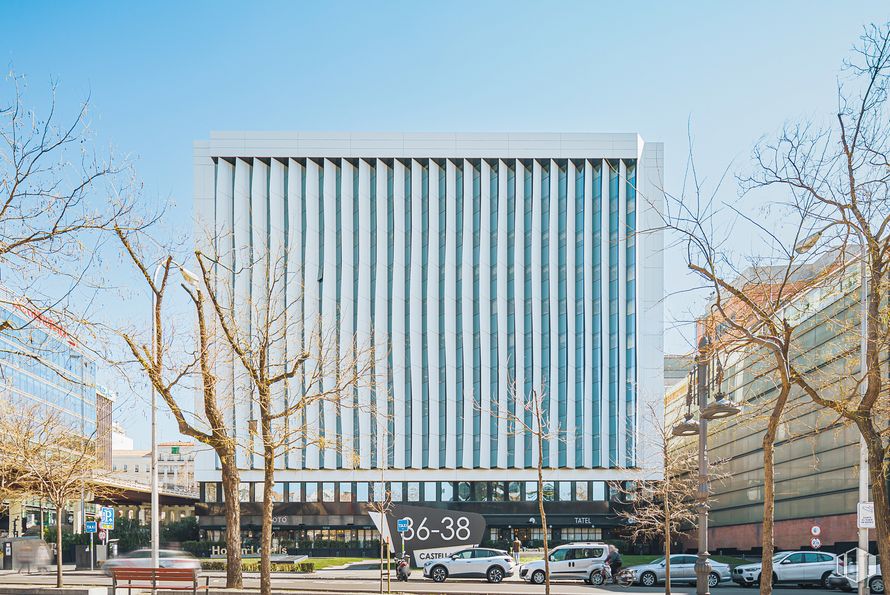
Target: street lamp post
x=192, y=280
x=701, y=378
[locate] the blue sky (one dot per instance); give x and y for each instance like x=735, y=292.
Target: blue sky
x=163, y=74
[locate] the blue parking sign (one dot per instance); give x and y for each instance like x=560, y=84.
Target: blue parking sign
x=107, y=518
x=91, y=527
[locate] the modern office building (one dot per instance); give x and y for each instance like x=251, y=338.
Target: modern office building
x=42, y=364
x=816, y=455
x=481, y=267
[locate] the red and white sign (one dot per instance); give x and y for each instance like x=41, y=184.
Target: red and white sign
x=102, y=535
x=816, y=543
x=816, y=530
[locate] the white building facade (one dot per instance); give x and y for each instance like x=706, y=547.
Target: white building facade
x=483, y=266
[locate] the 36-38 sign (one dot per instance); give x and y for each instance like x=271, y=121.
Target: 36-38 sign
x=450, y=529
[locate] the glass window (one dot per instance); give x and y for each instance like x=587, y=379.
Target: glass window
x=549, y=492
x=413, y=491
x=361, y=492
x=464, y=555
x=446, y=491
x=277, y=491
x=210, y=492
x=327, y=491
x=429, y=491
x=581, y=491
x=565, y=490
x=293, y=492
x=463, y=491
x=497, y=492
x=244, y=492
x=481, y=490
x=559, y=555
x=345, y=491
x=395, y=491
x=379, y=491
x=481, y=553
x=311, y=492
x=514, y=490
x=531, y=491
x=793, y=559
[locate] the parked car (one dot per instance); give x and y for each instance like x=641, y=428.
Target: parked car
x=682, y=571
x=477, y=562
x=142, y=559
x=795, y=568
x=574, y=561
x=875, y=580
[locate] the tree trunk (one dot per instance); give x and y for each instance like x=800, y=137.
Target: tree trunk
x=879, y=495
x=268, y=481
x=541, y=505
x=667, y=543
x=59, y=512
x=230, y=483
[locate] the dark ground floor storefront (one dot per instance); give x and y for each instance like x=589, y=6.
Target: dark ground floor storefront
x=346, y=529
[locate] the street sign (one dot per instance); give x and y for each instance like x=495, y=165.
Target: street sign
x=91, y=526
x=816, y=543
x=107, y=518
x=102, y=535
x=403, y=525
x=865, y=515
x=816, y=530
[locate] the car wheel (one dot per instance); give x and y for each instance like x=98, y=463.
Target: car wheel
x=538, y=577
x=439, y=574
x=876, y=584
x=597, y=578
x=713, y=579
x=648, y=579
x=824, y=581
x=495, y=574
x=775, y=579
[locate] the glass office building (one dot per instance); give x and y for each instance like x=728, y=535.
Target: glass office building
x=480, y=268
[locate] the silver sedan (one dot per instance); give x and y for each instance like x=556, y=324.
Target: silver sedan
x=682, y=571
x=142, y=559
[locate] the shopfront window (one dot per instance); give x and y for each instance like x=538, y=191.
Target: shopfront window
x=581, y=491
x=549, y=491
x=481, y=491
x=497, y=492
x=531, y=491
x=513, y=489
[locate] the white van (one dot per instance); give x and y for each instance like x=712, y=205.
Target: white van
x=573, y=561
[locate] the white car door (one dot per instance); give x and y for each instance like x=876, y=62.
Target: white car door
x=682, y=568
x=560, y=568
x=792, y=568
x=461, y=563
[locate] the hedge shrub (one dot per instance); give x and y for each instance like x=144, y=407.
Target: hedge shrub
x=253, y=565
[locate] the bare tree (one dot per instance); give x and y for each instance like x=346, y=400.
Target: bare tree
x=54, y=461
x=60, y=196
x=539, y=428
x=665, y=507
x=167, y=375
x=330, y=367
x=840, y=175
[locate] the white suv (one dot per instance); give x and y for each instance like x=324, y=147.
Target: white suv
x=574, y=561
x=476, y=562
x=796, y=568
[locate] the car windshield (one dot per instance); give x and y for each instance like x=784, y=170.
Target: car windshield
x=778, y=557
x=657, y=560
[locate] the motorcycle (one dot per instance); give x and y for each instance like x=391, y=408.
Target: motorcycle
x=403, y=568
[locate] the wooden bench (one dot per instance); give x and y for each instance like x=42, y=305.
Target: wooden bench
x=177, y=579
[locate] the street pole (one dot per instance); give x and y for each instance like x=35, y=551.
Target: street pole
x=155, y=516
x=702, y=565
x=862, y=553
